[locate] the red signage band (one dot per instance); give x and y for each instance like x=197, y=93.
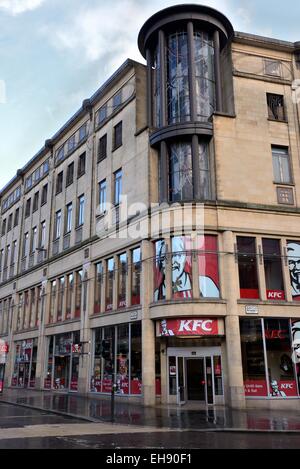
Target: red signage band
x=189, y=327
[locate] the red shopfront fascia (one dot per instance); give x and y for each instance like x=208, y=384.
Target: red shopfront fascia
x=189, y=327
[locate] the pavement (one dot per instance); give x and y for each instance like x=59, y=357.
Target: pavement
x=98, y=409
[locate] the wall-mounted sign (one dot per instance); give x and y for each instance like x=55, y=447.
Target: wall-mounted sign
x=250, y=309
x=133, y=316
x=188, y=327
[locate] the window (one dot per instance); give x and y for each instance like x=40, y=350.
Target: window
x=71, y=144
x=117, y=187
x=117, y=100
x=70, y=288
x=275, y=107
x=122, y=272
x=16, y=220
x=182, y=280
x=98, y=287
x=102, y=197
x=204, y=168
x=117, y=136
x=1, y=258
x=181, y=172
x=28, y=207
x=43, y=235
x=79, y=279
x=35, y=202
x=160, y=271
x=136, y=277
x=208, y=268
x=102, y=149
x=9, y=224
x=70, y=174
x=247, y=262
x=25, y=245
x=59, y=183
x=80, y=217
x=44, y=194
x=68, y=226
x=281, y=165
x=7, y=253
x=273, y=269
x=57, y=226
x=102, y=114
x=52, y=302
x=3, y=230
x=60, y=298
x=13, y=253
x=81, y=165
x=33, y=240
x=110, y=265
x=82, y=132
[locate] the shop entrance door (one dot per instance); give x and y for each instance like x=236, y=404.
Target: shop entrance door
x=61, y=372
x=195, y=379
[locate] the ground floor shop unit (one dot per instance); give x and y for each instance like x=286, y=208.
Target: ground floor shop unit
x=176, y=361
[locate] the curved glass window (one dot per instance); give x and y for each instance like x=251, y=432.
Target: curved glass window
x=204, y=172
x=205, y=75
x=156, y=85
x=178, y=78
x=181, y=172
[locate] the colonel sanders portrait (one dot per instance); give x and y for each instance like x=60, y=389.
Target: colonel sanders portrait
x=293, y=252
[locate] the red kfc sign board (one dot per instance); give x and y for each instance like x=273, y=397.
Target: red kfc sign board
x=189, y=327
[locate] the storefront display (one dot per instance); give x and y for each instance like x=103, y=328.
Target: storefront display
x=268, y=363
x=63, y=362
x=124, y=361
x=25, y=364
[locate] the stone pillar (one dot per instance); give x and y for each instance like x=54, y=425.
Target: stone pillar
x=85, y=332
x=232, y=329
x=148, y=327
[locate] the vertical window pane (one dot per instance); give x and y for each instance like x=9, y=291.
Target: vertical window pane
x=253, y=358
x=109, y=284
x=70, y=289
x=52, y=301
x=182, y=282
x=279, y=353
x=205, y=77
x=122, y=272
x=209, y=282
x=160, y=271
x=293, y=253
x=123, y=360
x=60, y=298
x=273, y=269
x=136, y=277
x=181, y=172
x=136, y=358
x=178, y=78
x=98, y=287
x=281, y=165
x=205, y=189
x=79, y=278
x=247, y=267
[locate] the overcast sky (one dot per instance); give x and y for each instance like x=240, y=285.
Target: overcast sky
x=55, y=53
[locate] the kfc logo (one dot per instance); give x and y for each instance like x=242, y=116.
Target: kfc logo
x=188, y=327
x=275, y=295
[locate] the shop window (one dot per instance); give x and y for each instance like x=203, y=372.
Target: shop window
x=253, y=358
x=78, y=293
x=160, y=271
x=218, y=375
x=136, y=359
x=122, y=378
x=62, y=361
x=157, y=368
x=209, y=282
x=280, y=366
x=96, y=384
x=273, y=269
x=296, y=348
x=110, y=266
x=182, y=280
x=33, y=364
x=247, y=263
x=293, y=254
x=136, y=277
x=98, y=287
x=48, y=377
x=108, y=365
x=122, y=274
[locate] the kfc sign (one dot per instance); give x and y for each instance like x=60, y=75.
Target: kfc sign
x=275, y=295
x=188, y=327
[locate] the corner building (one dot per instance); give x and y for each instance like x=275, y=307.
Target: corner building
x=205, y=310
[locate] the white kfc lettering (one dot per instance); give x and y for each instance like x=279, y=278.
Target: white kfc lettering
x=207, y=326
x=185, y=326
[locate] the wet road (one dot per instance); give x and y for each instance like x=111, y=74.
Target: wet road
x=22, y=428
